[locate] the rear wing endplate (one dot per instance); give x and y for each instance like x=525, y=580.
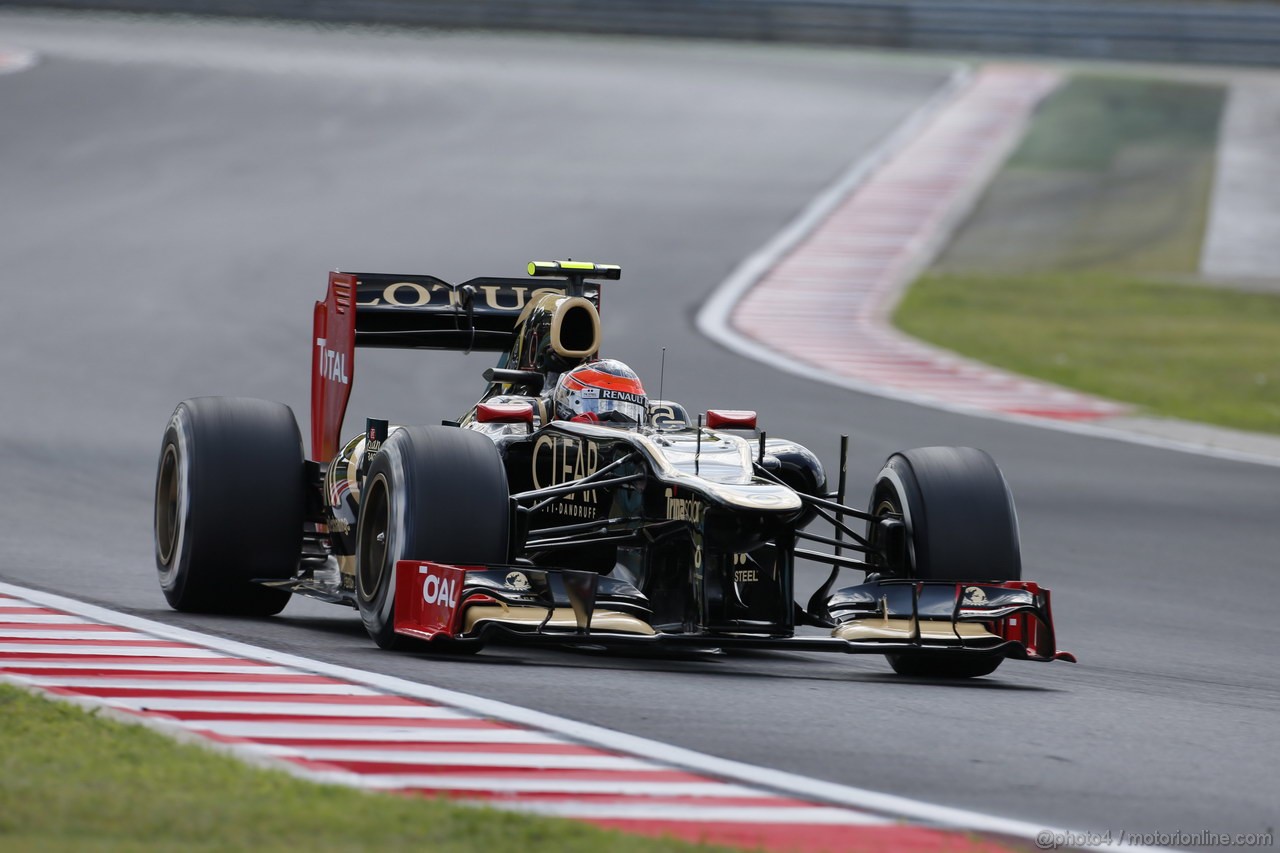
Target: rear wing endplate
x=414, y=312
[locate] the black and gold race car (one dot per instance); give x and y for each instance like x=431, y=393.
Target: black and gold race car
x=566, y=507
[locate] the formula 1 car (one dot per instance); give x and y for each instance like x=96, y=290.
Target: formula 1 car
x=518, y=522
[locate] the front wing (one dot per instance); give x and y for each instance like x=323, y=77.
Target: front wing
x=468, y=605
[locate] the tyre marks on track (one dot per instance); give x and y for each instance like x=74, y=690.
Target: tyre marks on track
x=328, y=729
x=821, y=305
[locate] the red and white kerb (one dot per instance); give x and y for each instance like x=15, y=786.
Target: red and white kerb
x=336, y=731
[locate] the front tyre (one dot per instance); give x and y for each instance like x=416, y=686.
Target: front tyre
x=229, y=504
x=961, y=526
x=431, y=493
x=958, y=511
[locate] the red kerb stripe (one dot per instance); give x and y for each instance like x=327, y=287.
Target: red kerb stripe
x=797, y=838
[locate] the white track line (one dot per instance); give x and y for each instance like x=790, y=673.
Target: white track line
x=825, y=305
x=764, y=782
x=714, y=319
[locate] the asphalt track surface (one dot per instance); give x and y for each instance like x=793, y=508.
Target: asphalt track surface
x=172, y=195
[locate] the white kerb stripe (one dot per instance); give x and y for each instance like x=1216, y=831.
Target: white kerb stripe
x=800, y=815
x=41, y=618
x=535, y=784
x=460, y=759
x=35, y=632
x=301, y=709
x=390, y=733
x=89, y=652
x=232, y=667
x=176, y=685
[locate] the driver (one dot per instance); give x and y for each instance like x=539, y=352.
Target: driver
x=604, y=391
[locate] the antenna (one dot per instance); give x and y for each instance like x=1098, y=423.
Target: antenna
x=662, y=372
x=697, y=453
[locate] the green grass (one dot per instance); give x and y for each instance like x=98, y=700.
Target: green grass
x=1074, y=265
x=1089, y=122
x=1188, y=352
x=1113, y=175
x=72, y=780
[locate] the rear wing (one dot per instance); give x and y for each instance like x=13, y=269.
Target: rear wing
x=423, y=312
x=419, y=312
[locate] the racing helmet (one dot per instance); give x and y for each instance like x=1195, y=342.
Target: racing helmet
x=607, y=389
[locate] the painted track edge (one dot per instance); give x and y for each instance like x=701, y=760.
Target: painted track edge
x=778, y=780
x=713, y=319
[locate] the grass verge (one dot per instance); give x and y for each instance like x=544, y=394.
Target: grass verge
x=1198, y=353
x=72, y=780
x=1066, y=270
x=1113, y=175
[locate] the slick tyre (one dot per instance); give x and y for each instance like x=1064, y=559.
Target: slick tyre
x=959, y=514
x=961, y=526
x=229, y=503
x=432, y=493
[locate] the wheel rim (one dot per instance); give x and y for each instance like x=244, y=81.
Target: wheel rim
x=372, y=564
x=886, y=506
x=167, y=498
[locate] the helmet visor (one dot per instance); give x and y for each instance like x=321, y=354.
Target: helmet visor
x=610, y=405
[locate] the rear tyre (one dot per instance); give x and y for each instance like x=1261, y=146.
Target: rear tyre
x=229, y=504
x=961, y=526
x=432, y=493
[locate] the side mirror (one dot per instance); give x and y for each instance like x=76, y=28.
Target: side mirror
x=731, y=419
x=505, y=413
